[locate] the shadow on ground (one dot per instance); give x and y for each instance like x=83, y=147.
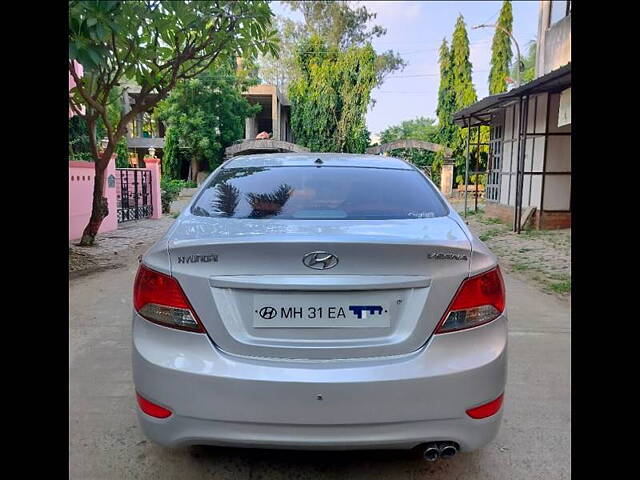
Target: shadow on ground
x=272, y=464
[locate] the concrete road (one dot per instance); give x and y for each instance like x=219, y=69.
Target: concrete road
x=106, y=442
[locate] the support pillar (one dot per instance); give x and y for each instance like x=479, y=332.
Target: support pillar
x=466, y=167
x=153, y=164
x=110, y=222
x=446, y=178
x=250, y=128
x=275, y=117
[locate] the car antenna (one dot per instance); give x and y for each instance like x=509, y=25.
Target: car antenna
x=319, y=161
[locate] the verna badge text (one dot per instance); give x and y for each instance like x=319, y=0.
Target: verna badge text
x=446, y=256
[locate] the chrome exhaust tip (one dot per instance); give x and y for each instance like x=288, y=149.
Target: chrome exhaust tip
x=447, y=449
x=431, y=452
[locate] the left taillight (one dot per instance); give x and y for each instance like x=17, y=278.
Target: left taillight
x=479, y=300
x=160, y=299
x=151, y=408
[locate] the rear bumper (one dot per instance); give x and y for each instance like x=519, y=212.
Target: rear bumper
x=190, y=431
x=394, y=402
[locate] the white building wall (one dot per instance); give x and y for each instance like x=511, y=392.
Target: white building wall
x=554, y=40
x=541, y=117
x=510, y=153
x=534, y=158
x=536, y=190
x=559, y=154
x=557, y=188
x=538, y=153
x=557, y=192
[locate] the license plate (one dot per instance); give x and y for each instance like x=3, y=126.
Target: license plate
x=315, y=311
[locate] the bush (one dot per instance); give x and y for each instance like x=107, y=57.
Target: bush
x=81, y=157
x=170, y=191
x=122, y=154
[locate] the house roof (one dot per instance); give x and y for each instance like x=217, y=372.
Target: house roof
x=266, y=89
x=480, y=112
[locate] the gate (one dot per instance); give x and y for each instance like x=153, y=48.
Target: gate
x=133, y=188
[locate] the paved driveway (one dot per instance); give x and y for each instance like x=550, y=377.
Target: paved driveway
x=106, y=442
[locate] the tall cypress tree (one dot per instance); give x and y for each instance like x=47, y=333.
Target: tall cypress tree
x=501, y=51
x=464, y=91
x=447, y=130
x=446, y=97
x=461, y=67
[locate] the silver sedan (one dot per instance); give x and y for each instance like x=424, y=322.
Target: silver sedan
x=320, y=301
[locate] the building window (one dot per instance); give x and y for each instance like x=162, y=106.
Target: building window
x=494, y=168
x=148, y=127
x=559, y=10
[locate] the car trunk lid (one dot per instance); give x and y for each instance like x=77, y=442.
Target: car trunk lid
x=249, y=286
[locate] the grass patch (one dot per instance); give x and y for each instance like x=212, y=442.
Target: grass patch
x=561, y=287
x=519, y=267
x=536, y=233
x=558, y=283
x=489, y=234
x=471, y=211
x=175, y=215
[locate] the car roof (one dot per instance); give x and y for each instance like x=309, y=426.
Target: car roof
x=311, y=159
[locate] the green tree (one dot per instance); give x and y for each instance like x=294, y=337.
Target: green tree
x=280, y=69
x=501, y=51
x=330, y=98
x=461, y=68
x=463, y=90
x=528, y=72
x=79, y=145
x=122, y=154
x=204, y=115
x=418, y=129
x=172, y=157
x=156, y=44
x=339, y=24
x=447, y=130
x=79, y=139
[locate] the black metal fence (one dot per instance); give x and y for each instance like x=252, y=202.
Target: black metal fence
x=133, y=187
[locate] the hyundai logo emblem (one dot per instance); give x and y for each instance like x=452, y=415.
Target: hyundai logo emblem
x=320, y=260
x=268, y=313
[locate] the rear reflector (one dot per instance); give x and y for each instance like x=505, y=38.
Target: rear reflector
x=479, y=300
x=486, y=410
x=160, y=299
x=151, y=408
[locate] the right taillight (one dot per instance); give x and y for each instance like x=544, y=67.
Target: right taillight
x=160, y=299
x=479, y=300
x=486, y=410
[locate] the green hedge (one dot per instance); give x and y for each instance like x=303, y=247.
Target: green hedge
x=170, y=191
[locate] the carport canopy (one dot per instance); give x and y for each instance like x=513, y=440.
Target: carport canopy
x=480, y=112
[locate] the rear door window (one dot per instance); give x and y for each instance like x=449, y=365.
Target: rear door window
x=319, y=193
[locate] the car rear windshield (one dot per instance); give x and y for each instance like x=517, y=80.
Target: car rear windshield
x=319, y=193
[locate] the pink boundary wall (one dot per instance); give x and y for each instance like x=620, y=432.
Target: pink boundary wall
x=81, y=179
x=153, y=164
